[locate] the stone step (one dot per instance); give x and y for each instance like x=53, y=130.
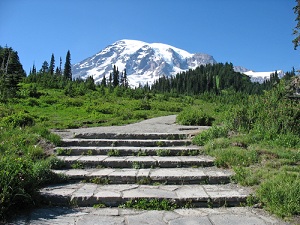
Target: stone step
x=135, y=161
x=129, y=151
x=210, y=175
x=123, y=142
x=143, y=136
x=88, y=194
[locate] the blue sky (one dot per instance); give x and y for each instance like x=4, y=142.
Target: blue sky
x=256, y=34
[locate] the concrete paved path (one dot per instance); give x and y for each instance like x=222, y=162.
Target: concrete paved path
x=119, y=216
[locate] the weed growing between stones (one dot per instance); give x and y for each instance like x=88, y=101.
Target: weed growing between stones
x=163, y=152
x=144, y=180
x=61, y=151
x=99, y=205
x=141, y=153
x=77, y=165
x=99, y=180
x=113, y=152
x=150, y=204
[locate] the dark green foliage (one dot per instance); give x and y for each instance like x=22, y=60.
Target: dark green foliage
x=68, y=68
x=210, y=78
x=115, y=76
x=296, y=41
x=52, y=65
x=11, y=73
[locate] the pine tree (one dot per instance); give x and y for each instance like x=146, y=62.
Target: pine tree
x=52, y=64
x=125, y=80
x=115, y=76
x=33, y=71
x=11, y=73
x=110, y=80
x=45, y=67
x=103, y=82
x=68, y=69
x=60, y=63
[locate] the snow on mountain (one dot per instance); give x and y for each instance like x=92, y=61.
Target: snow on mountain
x=259, y=77
x=144, y=62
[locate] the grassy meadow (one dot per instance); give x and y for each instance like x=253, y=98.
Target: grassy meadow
x=256, y=136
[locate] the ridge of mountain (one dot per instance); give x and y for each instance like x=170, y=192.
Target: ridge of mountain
x=144, y=62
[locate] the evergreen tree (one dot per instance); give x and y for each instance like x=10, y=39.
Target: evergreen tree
x=90, y=83
x=68, y=69
x=296, y=30
x=52, y=64
x=45, y=67
x=11, y=73
x=110, y=80
x=103, y=82
x=33, y=71
x=115, y=76
x=60, y=63
x=125, y=80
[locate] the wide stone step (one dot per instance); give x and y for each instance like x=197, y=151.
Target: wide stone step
x=123, y=142
x=150, y=176
x=129, y=151
x=88, y=194
x=168, y=136
x=135, y=161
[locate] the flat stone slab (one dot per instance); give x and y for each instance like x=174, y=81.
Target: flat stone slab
x=123, y=142
x=88, y=194
x=204, y=175
x=137, y=161
x=165, y=124
x=129, y=151
x=120, y=216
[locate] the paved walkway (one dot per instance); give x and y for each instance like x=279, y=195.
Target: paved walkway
x=137, y=171
x=119, y=216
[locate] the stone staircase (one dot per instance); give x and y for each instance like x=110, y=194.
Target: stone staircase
x=112, y=168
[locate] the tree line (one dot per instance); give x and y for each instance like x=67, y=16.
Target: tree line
x=211, y=78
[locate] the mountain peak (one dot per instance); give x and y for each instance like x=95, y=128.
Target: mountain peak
x=144, y=62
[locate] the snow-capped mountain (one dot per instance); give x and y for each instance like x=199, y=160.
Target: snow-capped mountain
x=259, y=77
x=144, y=62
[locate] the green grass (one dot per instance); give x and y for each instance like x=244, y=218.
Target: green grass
x=263, y=156
x=149, y=204
x=272, y=170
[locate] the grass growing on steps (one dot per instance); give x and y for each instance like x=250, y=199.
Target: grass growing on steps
x=149, y=204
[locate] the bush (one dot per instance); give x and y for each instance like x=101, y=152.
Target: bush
x=234, y=156
x=19, y=120
x=18, y=185
x=194, y=116
x=280, y=195
x=214, y=132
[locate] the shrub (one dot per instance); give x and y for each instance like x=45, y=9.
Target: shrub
x=234, y=156
x=280, y=195
x=210, y=134
x=194, y=116
x=19, y=120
